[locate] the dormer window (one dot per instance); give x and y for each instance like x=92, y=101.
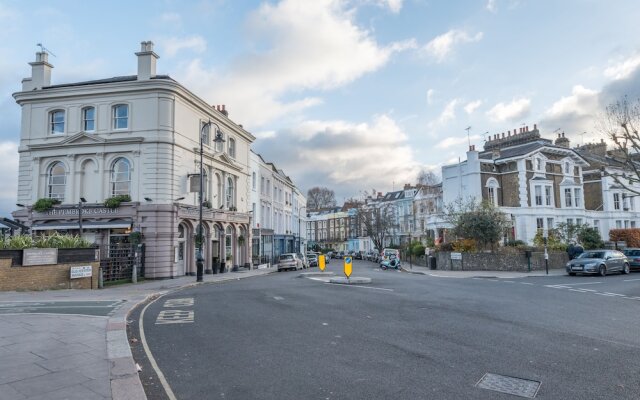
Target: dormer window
x=538, y=164
x=567, y=167
x=56, y=122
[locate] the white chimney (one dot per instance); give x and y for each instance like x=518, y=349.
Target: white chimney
x=40, y=73
x=146, y=61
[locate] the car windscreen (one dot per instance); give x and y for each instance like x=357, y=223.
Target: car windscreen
x=592, y=254
x=286, y=257
x=632, y=252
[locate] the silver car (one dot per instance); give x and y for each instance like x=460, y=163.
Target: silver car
x=599, y=262
x=289, y=261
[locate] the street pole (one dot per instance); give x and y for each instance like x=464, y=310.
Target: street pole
x=546, y=254
x=199, y=255
x=80, y=217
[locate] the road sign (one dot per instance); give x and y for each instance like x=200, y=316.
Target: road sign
x=456, y=256
x=348, y=267
x=321, y=263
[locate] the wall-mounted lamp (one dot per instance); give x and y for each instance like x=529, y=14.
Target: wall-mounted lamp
x=148, y=199
x=179, y=198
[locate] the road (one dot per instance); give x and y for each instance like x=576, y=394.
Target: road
x=404, y=336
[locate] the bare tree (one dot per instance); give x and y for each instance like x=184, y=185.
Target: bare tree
x=376, y=222
x=428, y=178
x=620, y=123
x=320, y=197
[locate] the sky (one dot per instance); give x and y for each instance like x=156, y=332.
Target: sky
x=352, y=95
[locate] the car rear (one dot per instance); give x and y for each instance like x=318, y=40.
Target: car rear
x=633, y=255
x=286, y=262
x=313, y=259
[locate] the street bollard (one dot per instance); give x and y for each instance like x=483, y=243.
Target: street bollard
x=134, y=269
x=100, y=278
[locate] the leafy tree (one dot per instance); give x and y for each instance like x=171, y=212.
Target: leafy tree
x=590, y=238
x=320, y=197
x=481, y=222
x=428, y=178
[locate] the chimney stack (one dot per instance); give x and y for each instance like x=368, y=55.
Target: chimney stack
x=146, y=61
x=225, y=112
x=40, y=73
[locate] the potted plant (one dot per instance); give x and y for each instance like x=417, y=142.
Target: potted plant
x=206, y=204
x=135, y=237
x=45, y=204
x=241, y=239
x=114, y=202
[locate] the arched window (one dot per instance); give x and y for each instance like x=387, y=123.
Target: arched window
x=232, y=148
x=89, y=119
x=57, y=181
x=120, y=116
x=206, y=136
x=121, y=177
x=56, y=122
x=492, y=186
x=230, y=192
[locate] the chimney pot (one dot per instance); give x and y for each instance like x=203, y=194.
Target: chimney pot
x=527, y=128
x=535, y=126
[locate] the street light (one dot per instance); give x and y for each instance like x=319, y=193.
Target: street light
x=299, y=229
x=82, y=200
x=200, y=239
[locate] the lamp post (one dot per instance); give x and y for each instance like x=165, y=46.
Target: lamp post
x=82, y=200
x=299, y=230
x=200, y=239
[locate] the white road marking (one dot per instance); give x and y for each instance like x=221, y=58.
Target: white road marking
x=152, y=360
x=508, y=281
x=579, y=290
x=631, y=280
x=613, y=294
x=361, y=287
x=604, y=294
x=278, y=298
x=578, y=284
x=185, y=302
x=526, y=283
x=175, y=317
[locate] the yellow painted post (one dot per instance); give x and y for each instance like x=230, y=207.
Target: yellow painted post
x=321, y=263
x=348, y=266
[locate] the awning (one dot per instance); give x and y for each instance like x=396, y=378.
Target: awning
x=85, y=225
x=9, y=223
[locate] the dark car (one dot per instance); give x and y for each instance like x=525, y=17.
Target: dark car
x=358, y=255
x=599, y=262
x=633, y=255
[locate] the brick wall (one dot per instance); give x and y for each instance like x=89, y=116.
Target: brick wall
x=499, y=262
x=44, y=277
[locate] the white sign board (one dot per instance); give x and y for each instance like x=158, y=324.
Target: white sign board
x=456, y=256
x=84, y=271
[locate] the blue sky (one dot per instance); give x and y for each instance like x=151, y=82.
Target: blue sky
x=352, y=95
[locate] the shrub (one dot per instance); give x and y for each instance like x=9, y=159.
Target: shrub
x=464, y=245
x=445, y=247
x=114, y=202
x=554, y=240
x=630, y=235
x=18, y=242
x=516, y=243
x=59, y=241
x=590, y=238
x=43, y=205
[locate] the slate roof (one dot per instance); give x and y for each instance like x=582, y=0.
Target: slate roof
x=115, y=79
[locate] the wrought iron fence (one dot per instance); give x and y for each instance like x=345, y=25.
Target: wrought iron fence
x=117, y=260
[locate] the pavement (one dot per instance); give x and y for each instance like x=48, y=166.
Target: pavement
x=72, y=344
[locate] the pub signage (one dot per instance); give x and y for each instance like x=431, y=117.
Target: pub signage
x=39, y=257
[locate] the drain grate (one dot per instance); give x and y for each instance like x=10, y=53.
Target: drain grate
x=510, y=385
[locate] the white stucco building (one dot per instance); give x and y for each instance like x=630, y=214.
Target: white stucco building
x=135, y=135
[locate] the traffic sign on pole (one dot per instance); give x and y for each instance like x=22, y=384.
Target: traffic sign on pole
x=348, y=267
x=321, y=263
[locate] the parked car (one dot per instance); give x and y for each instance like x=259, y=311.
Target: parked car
x=289, y=261
x=370, y=256
x=313, y=259
x=358, y=255
x=633, y=255
x=305, y=260
x=599, y=262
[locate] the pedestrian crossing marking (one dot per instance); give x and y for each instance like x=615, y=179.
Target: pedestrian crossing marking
x=175, y=317
x=184, y=302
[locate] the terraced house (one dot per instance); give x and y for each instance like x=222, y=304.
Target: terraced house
x=539, y=183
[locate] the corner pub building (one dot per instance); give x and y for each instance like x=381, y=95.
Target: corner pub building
x=83, y=143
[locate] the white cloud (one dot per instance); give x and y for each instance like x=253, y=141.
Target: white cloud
x=173, y=19
x=624, y=69
x=442, y=46
x=449, y=112
x=454, y=141
x=472, y=106
x=172, y=45
x=582, y=101
x=304, y=46
x=492, y=6
x=430, y=94
x=394, y=5
x=343, y=155
x=518, y=108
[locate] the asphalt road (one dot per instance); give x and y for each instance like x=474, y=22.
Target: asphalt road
x=404, y=336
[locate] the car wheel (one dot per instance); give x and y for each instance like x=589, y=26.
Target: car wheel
x=625, y=269
x=602, y=271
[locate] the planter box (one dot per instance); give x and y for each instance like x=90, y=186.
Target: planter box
x=64, y=256
x=14, y=255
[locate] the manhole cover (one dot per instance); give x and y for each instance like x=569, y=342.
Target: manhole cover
x=510, y=385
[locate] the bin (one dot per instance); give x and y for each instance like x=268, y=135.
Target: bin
x=432, y=262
